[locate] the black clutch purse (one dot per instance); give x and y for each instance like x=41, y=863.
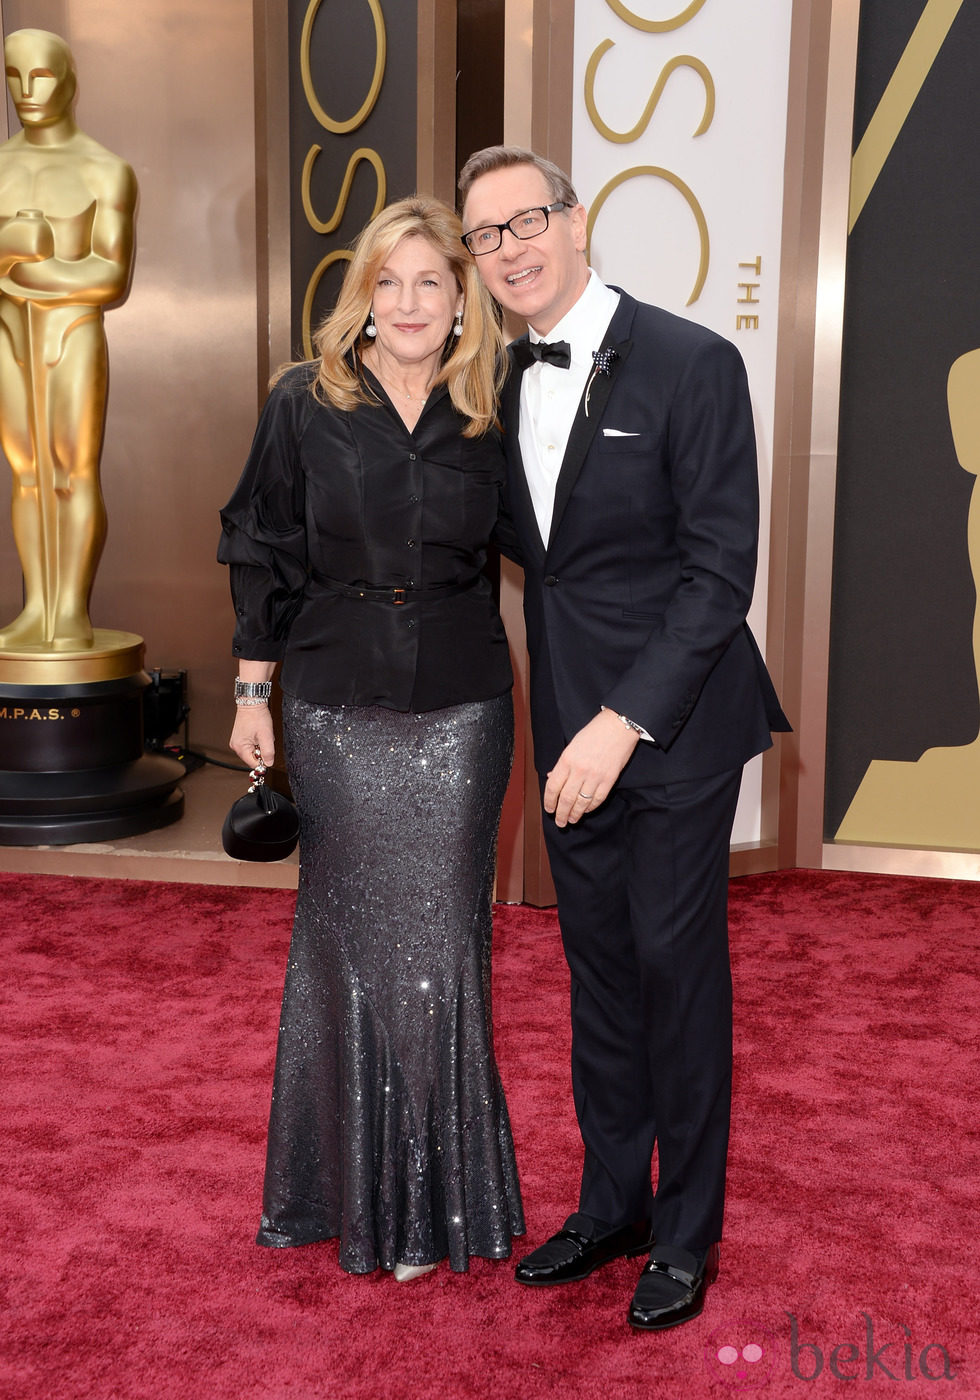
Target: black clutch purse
x=262, y=825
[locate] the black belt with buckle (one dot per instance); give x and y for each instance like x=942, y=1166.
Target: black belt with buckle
x=396, y=595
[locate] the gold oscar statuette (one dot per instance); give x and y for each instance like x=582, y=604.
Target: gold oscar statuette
x=934, y=802
x=73, y=765
x=66, y=250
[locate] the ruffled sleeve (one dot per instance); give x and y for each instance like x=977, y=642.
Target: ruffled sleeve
x=263, y=539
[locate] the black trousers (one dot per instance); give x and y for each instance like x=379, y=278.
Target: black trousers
x=642, y=889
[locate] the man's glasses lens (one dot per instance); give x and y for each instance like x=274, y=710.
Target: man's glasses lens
x=526, y=225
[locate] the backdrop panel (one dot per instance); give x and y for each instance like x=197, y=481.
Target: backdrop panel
x=352, y=102
x=902, y=762
x=679, y=131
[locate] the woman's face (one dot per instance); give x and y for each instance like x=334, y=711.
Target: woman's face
x=415, y=301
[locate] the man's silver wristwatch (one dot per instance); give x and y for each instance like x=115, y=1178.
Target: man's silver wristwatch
x=625, y=719
x=631, y=724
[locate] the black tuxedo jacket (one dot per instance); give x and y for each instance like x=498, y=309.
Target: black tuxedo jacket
x=638, y=600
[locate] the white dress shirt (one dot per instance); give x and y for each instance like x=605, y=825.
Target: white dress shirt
x=550, y=396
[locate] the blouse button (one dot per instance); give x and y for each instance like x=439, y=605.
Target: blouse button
x=411, y=623
x=410, y=543
x=414, y=500
x=412, y=456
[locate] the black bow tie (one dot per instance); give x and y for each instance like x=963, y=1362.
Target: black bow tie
x=558, y=353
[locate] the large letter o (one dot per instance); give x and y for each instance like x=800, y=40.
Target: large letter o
x=654, y=26
x=659, y=174
x=364, y=111
x=339, y=255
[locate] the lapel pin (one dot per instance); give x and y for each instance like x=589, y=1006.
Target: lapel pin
x=602, y=363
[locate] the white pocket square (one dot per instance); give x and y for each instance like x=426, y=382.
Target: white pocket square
x=617, y=432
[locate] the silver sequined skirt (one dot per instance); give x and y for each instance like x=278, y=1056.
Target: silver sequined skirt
x=389, y=1128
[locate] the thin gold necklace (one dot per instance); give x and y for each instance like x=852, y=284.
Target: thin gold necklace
x=412, y=398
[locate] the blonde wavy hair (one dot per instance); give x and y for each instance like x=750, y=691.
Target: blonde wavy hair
x=474, y=363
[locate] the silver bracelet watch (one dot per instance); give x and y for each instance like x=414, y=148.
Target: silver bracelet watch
x=252, y=692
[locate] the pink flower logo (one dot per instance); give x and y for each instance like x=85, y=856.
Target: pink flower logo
x=741, y=1352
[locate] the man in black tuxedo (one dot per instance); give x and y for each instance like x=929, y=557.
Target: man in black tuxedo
x=633, y=504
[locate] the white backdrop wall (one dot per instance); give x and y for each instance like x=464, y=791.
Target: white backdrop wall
x=678, y=138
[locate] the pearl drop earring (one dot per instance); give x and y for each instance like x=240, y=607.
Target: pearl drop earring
x=370, y=330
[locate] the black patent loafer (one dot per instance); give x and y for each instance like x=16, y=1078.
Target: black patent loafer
x=672, y=1287
x=577, y=1251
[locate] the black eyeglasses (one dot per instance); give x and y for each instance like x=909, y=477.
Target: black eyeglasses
x=525, y=225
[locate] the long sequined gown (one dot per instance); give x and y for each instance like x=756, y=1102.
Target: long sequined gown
x=389, y=1127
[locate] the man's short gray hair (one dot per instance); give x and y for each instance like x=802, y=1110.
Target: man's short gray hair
x=502, y=158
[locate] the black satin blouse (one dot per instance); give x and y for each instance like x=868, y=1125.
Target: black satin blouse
x=357, y=499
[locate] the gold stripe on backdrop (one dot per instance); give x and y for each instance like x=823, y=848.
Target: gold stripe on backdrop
x=897, y=101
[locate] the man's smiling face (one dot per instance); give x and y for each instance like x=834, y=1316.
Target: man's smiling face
x=538, y=278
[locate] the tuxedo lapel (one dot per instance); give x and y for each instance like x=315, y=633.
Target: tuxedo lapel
x=590, y=410
x=519, y=495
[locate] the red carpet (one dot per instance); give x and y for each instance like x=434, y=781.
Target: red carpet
x=138, y=1032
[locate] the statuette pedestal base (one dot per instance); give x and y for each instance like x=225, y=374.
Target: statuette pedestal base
x=72, y=764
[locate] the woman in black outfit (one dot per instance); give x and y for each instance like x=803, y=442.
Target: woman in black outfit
x=356, y=539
